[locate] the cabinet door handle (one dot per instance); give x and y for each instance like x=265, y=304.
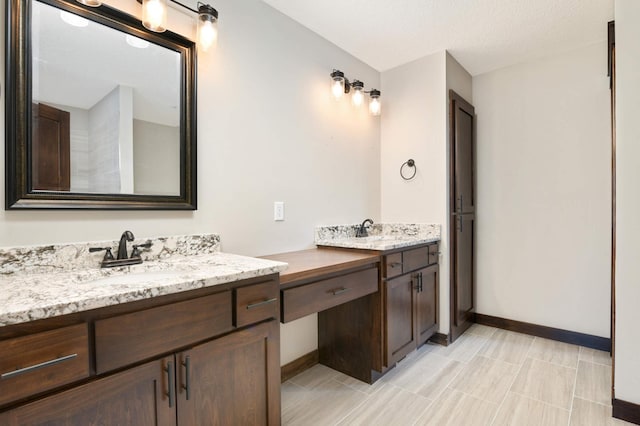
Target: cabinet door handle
x=395, y=264
x=187, y=372
x=171, y=383
x=340, y=291
x=420, y=281
x=30, y=368
x=264, y=302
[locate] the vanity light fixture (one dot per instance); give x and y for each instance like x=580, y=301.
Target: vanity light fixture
x=358, y=93
x=207, y=26
x=374, y=103
x=341, y=85
x=154, y=15
x=338, y=86
x=154, y=18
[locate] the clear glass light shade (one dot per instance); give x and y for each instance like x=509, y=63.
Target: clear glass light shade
x=357, y=98
x=374, y=106
x=337, y=87
x=90, y=3
x=154, y=15
x=207, y=31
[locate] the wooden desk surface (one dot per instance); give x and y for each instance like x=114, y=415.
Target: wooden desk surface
x=315, y=263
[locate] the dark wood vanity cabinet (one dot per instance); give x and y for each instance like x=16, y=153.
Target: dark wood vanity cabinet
x=410, y=300
x=234, y=380
x=197, y=369
x=137, y=396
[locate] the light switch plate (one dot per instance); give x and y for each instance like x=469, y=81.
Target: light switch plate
x=278, y=211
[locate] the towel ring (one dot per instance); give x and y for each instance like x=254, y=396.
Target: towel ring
x=411, y=164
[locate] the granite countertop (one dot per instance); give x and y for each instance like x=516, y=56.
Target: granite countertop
x=27, y=294
x=382, y=236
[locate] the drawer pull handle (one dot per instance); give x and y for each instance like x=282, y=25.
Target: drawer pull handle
x=187, y=372
x=264, y=302
x=171, y=383
x=340, y=291
x=37, y=366
x=395, y=264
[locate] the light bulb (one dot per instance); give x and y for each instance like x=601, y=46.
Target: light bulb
x=207, y=27
x=337, y=88
x=208, y=35
x=374, y=103
x=358, y=93
x=337, y=84
x=357, y=97
x=154, y=15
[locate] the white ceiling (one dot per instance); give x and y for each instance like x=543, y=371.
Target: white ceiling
x=483, y=35
x=78, y=66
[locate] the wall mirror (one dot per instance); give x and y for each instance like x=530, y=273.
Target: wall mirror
x=100, y=112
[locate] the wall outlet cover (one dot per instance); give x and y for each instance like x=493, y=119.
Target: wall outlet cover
x=278, y=210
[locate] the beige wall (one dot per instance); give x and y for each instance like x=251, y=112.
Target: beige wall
x=267, y=130
x=156, y=158
x=415, y=125
x=627, y=341
x=543, y=203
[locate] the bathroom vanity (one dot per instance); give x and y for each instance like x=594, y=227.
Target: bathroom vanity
x=176, y=340
x=376, y=296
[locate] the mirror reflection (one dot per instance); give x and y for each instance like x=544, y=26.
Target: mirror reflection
x=106, y=108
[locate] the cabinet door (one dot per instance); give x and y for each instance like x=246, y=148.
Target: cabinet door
x=400, y=317
x=233, y=380
x=427, y=302
x=133, y=397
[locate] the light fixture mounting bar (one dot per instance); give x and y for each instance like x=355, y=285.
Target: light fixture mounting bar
x=196, y=11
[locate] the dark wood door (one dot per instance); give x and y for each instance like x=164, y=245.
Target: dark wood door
x=426, y=303
x=400, y=317
x=233, y=380
x=462, y=219
x=50, y=149
x=137, y=396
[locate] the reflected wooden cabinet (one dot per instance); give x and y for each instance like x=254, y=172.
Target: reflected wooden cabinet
x=410, y=300
x=177, y=363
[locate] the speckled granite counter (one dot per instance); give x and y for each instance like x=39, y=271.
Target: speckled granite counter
x=382, y=236
x=47, y=281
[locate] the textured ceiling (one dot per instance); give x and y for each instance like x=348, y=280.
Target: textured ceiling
x=483, y=35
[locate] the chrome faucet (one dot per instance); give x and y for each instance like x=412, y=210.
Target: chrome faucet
x=362, y=230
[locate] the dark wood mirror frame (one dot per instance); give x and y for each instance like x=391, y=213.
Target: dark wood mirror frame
x=19, y=193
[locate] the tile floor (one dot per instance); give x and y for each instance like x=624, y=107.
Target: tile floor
x=487, y=377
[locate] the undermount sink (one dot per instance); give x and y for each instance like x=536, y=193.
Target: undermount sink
x=146, y=273
x=375, y=238
x=135, y=277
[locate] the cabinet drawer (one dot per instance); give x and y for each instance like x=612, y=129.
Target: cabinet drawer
x=133, y=337
x=255, y=303
x=39, y=362
x=415, y=259
x=301, y=301
x=393, y=265
x=434, y=252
